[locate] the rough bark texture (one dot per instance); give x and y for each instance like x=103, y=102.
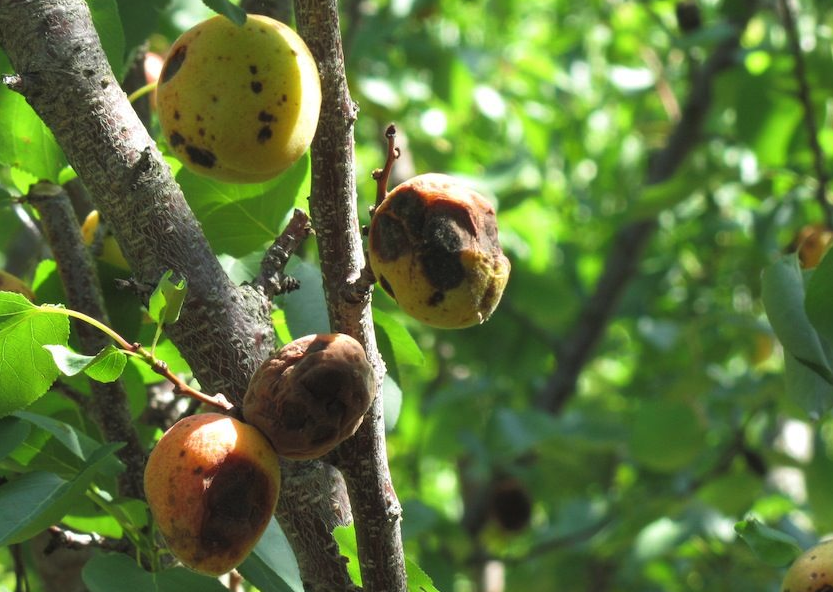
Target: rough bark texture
x=224, y=331
x=362, y=459
x=80, y=279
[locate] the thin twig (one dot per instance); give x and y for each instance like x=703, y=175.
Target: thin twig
x=810, y=123
x=272, y=280
x=382, y=176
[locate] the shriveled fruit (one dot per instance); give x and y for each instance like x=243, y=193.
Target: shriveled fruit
x=212, y=485
x=434, y=248
x=812, y=571
x=311, y=395
x=239, y=104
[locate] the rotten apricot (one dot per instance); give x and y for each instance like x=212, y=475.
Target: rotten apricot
x=239, y=103
x=212, y=484
x=433, y=246
x=311, y=395
x=812, y=571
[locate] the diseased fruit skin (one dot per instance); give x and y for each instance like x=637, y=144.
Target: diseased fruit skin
x=311, y=395
x=212, y=484
x=239, y=104
x=812, y=571
x=433, y=246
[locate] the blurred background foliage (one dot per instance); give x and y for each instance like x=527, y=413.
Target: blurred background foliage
x=681, y=423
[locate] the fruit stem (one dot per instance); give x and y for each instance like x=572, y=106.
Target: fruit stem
x=141, y=91
x=136, y=349
x=383, y=175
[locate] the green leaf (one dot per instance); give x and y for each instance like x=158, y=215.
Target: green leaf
x=392, y=401
x=106, y=572
x=817, y=299
x=167, y=299
x=34, y=501
x=403, y=348
x=241, y=218
x=665, y=435
x=26, y=369
x=234, y=13
x=107, y=21
x=345, y=536
x=783, y=297
x=306, y=307
x=106, y=366
x=139, y=20
x=25, y=142
x=771, y=546
x=418, y=580
x=271, y=566
x=13, y=432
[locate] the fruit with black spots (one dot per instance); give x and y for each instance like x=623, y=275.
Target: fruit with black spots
x=239, y=103
x=812, y=571
x=433, y=246
x=311, y=395
x=212, y=484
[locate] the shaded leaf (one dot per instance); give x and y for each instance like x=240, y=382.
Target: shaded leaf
x=773, y=547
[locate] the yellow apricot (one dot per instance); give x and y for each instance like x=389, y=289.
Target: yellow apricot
x=433, y=246
x=239, y=103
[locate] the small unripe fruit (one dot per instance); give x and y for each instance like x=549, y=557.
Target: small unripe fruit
x=311, y=395
x=434, y=248
x=812, y=571
x=212, y=485
x=239, y=103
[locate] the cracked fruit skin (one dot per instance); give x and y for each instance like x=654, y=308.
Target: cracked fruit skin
x=433, y=246
x=212, y=485
x=239, y=104
x=812, y=571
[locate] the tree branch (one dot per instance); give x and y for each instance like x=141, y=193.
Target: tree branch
x=362, y=459
x=629, y=242
x=809, y=113
x=224, y=331
x=80, y=279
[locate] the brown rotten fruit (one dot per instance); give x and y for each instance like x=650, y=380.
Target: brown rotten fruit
x=212, y=485
x=434, y=248
x=812, y=571
x=311, y=395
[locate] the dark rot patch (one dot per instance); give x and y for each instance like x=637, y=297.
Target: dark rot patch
x=409, y=207
x=386, y=286
x=213, y=98
x=238, y=502
x=284, y=98
x=176, y=139
x=389, y=238
x=173, y=64
x=436, y=298
x=199, y=117
x=176, y=115
x=201, y=132
x=201, y=156
x=257, y=86
x=253, y=69
x=443, y=269
x=198, y=471
x=264, y=134
x=265, y=117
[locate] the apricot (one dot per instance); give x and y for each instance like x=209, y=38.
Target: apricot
x=812, y=243
x=433, y=246
x=239, y=103
x=95, y=235
x=311, y=395
x=212, y=485
x=812, y=571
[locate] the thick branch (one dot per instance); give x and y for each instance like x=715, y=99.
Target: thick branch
x=224, y=331
x=629, y=242
x=80, y=279
x=333, y=205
